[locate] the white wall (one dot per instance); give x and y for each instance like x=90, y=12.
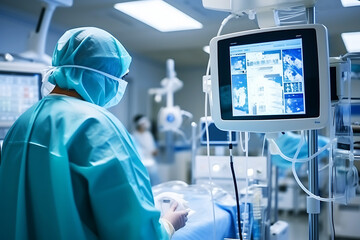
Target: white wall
x=191, y=97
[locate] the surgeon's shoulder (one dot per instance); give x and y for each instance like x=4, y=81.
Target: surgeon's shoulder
x=85, y=110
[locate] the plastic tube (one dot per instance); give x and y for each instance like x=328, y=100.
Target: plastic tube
x=306, y=190
x=206, y=124
x=209, y=165
x=302, y=160
x=246, y=211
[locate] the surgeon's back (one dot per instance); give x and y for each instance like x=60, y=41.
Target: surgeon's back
x=69, y=171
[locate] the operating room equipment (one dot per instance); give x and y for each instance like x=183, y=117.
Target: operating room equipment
x=36, y=43
x=232, y=97
x=250, y=68
x=171, y=116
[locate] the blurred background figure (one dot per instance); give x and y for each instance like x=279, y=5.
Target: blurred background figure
x=146, y=146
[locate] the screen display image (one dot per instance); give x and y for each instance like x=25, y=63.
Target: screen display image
x=267, y=78
x=18, y=92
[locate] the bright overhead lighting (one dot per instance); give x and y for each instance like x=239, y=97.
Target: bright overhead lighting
x=350, y=3
x=158, y=14
x=351, y=41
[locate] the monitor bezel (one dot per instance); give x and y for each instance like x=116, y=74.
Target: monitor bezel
x=316, y=79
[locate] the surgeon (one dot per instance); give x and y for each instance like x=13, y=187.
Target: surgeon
x=69, y=168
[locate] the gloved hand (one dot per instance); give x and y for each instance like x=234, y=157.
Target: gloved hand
x=176, y=218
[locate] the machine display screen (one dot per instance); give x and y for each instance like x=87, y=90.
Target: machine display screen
x=267, y=78
x=18, y=92
x=269, y=75
x=217, y=137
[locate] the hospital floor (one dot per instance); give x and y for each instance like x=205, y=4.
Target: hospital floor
x=299, y=227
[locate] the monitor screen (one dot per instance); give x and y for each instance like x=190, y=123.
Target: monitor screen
x=18, y=92
x=217, y=137
x=262, y=77
x=267, y=78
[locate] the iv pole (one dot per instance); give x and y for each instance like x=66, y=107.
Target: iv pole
x=313, y=205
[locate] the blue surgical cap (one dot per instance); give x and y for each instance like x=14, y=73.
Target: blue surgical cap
x=92, y=48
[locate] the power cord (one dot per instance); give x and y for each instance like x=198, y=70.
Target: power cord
x=236, y=188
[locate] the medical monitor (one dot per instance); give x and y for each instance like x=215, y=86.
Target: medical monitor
x=270, y=80
x=217, y=137
x=19, y=90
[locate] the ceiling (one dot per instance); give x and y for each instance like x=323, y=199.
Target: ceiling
x=185, y=47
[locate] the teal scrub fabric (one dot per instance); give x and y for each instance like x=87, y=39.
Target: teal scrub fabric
x=70, y=171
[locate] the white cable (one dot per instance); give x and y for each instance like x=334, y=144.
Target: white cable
x=206, y=124
x=323, y=168
x=330, y=210
x=263, y=146
x=302, y=160
x=241, y=143
x=223, y=23
x=209, y=165
x=307, y=191
x=302, y=139
x=246, y=211
x=294, y=160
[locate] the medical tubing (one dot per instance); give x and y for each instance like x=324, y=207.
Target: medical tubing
x=223, y=23
x=235, y=187
x=306, y=190
x=294, y=160
x=302, y=160
x=302, y=139
x=241, y=143
x=209, y=165
x=207, y=130
x=323, y=168
x=263, y=146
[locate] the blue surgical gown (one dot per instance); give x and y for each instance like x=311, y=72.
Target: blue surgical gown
x=70, y=171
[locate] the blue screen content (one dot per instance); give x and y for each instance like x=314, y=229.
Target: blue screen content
x=217, y=136
x=267, y=78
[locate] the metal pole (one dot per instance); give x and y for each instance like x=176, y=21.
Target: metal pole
x=313, y=164
x=313, y=184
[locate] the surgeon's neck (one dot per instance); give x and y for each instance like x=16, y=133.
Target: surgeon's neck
x=70, y=92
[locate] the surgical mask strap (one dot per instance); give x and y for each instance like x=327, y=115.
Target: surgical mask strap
x=91, y=69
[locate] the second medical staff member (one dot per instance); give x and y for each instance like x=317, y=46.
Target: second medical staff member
x=69, y=168
x=146, y=146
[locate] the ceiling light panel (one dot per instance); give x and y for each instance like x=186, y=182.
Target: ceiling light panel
x=159, y=15
x=350, y=3
x=351, y=41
